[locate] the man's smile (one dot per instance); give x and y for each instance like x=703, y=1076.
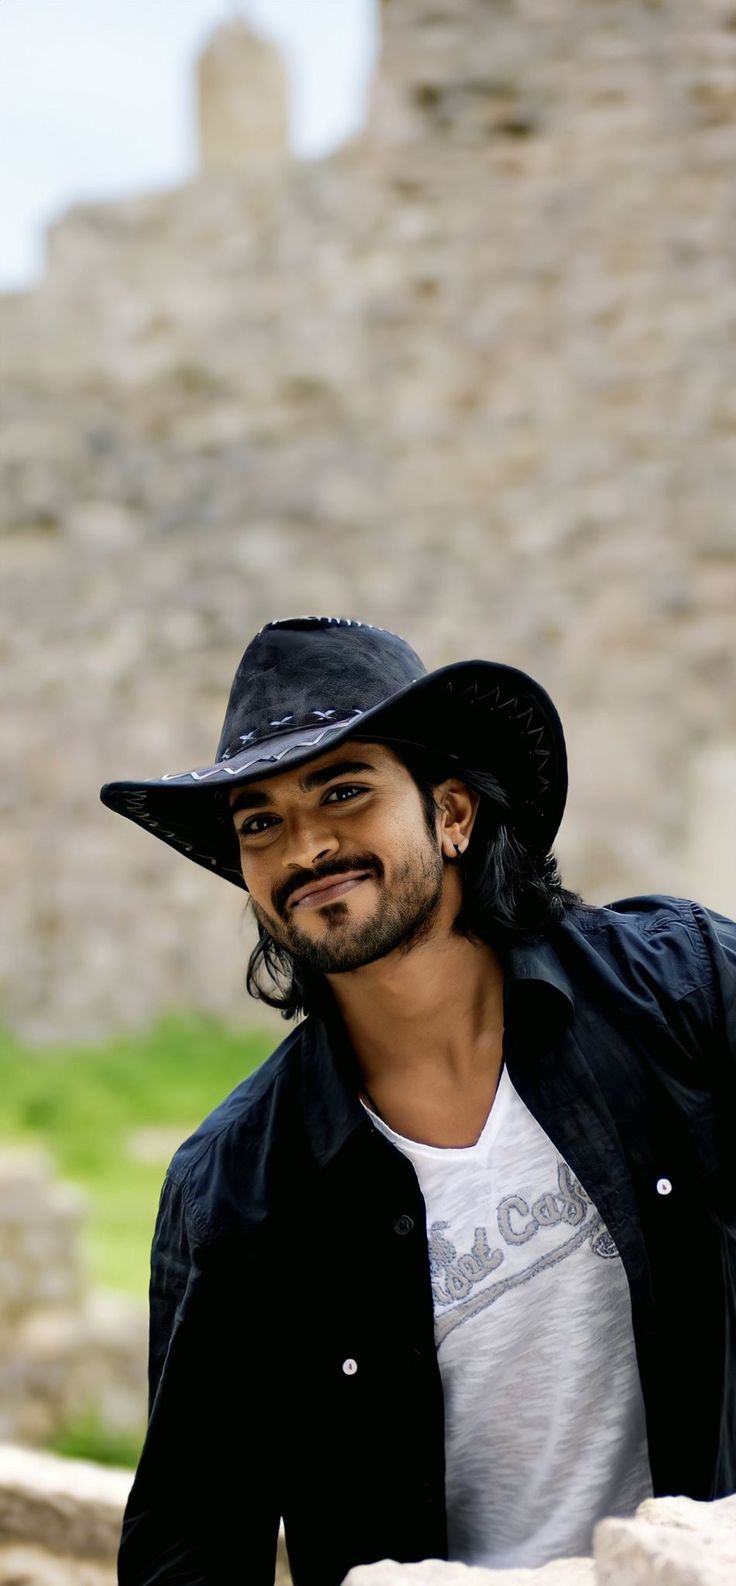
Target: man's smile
x=327, y=893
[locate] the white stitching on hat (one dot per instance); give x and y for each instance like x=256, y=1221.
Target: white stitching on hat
x=341, y=622
x=245, y=737
x=235, y=769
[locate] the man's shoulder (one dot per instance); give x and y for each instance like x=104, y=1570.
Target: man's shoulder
x=642, y=914
x=676, y=940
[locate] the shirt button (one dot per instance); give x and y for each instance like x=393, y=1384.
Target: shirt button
x=403, y=1224
x=663, y=1186
x=350, y=1367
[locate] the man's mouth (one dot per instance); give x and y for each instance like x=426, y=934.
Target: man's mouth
x=328, y=894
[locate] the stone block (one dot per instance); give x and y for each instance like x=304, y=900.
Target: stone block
x=69, y=1506
x=438, y=1572
x=670, y=1542
x=22, y=1565
x=688, y=1515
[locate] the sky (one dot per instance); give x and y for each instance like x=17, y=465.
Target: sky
x=97, y=98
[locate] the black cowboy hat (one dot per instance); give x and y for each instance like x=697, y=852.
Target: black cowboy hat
x=305, y=684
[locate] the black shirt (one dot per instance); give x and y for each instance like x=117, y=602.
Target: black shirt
x=291, y=1238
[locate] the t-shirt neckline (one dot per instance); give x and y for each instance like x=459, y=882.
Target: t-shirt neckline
x=450, y=1152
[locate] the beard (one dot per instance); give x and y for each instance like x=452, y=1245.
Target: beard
x=403, y=917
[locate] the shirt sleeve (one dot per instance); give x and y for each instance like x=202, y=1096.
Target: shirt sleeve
x=203, y=1508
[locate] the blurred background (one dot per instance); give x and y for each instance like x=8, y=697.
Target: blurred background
x=420, y=313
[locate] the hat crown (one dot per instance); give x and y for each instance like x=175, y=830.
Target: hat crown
x=312, y=672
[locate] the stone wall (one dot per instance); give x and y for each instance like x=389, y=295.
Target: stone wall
x=471, y=378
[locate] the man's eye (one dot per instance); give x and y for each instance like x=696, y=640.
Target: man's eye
x=346, y=789
x=248, y=827
x=246, y=830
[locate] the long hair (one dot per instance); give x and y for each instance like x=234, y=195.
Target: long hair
x=509, y=888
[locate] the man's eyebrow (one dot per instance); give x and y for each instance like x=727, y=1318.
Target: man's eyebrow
x=253, y=798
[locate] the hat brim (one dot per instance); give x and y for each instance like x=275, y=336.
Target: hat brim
x=483, y=714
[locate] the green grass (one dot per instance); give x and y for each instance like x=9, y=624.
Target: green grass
x=84, y=1104
x=86, y=1437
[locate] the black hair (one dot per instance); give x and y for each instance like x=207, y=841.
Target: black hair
x=510, y=889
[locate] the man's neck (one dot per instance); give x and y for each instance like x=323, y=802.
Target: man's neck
x=427, y=1033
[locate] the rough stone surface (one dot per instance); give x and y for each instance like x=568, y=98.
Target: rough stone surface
x=63, y=1347
x=22, y=1565
x=471, y=378
x=436, y=1572
x=671, y=1542
x=631, y=1554
x=685, y=1514
x=65, y=1505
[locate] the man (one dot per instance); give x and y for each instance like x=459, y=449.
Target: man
x=453, y=1273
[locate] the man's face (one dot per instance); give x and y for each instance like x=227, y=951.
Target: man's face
x=353, y=810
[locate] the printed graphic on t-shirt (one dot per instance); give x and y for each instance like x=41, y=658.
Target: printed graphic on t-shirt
x=459, y=1280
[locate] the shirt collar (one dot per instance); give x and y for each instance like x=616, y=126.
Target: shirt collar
x=330, y=1083
x=538, y=996
x=538, y=1004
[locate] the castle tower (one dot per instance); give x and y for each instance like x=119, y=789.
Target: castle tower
x=243, y=102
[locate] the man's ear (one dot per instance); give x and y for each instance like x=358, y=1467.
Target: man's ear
x=459, y=805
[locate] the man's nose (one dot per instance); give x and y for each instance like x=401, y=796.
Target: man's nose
x=309, y=843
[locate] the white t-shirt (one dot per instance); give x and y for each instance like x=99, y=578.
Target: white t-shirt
x=544, y=1417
